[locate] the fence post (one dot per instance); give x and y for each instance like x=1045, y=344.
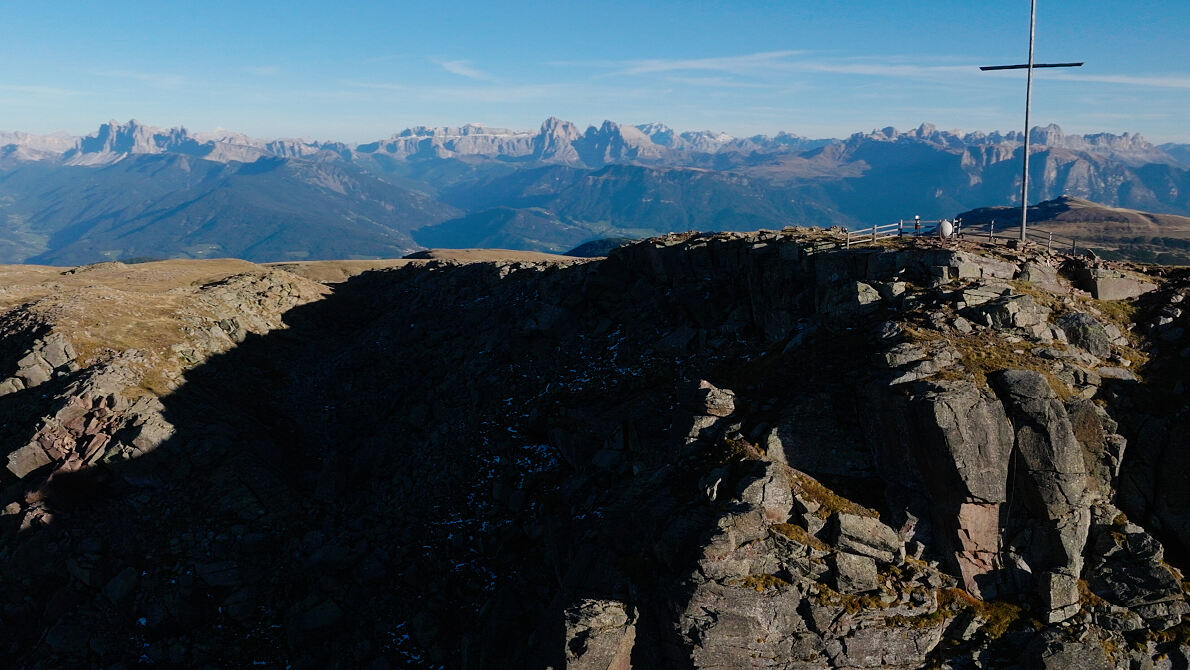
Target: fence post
x=992, y=231
x=1049, y=242
x=847, y=236
x=900, y=227
x=1073, y=247
x=873, y=233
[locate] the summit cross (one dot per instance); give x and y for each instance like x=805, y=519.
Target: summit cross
x=1030, y=66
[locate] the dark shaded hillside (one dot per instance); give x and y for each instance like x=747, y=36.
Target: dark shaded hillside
x=504, y=228
x=555, y=208
x=153, y=205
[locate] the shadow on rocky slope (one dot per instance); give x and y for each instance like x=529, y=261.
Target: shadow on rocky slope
x=701, y=452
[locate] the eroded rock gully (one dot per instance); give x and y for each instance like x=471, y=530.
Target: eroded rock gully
x=706, y=451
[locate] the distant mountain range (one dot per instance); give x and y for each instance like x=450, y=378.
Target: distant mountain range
x=132, y=190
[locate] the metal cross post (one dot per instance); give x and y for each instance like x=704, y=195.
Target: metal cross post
x=1030, y=66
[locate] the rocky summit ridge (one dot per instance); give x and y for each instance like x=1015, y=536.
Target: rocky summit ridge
x=702, y=451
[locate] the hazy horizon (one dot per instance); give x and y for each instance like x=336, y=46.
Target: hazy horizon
x=363, y=71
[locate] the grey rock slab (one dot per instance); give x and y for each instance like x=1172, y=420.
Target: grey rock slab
x=1045, y=654
x=1052, y=479
x=57, y=352
x=1084, y=330
x=852, y=573
x=889, y=647
x=33, y=370
x=969, y=452
x=770, y=493
x=902, y=354
x=11, y=385
x=599, y=635
x=1059, y=596
x=866, y=536
x=1104, y=284
x=735, y=626
x=1012, y=311
x=847, y=300
x=1118, y=374
x=1042, y=276
x=27, y=459
x=982, y=293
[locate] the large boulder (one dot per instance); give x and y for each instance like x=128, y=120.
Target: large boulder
x=1050, y=530
x=866, y=536
x=1085, y=331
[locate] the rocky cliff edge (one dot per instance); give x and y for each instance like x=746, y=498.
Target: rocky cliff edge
x=733, y=450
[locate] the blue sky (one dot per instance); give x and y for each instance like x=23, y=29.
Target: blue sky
x=358, y=71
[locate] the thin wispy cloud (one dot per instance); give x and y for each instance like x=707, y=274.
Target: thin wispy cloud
x=1149, y=81
x=733, y=64
x=878, y=69
x=720, y=82
x=766, y=64
x=502, y=93
x=157, y=80
x=1124, y=117
x=37, y=90
x=383, y=58
x=464, y=68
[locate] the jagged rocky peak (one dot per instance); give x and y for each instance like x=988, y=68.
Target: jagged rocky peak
x=132, y=137
x=113, y=141
x=53, y=143
x=555, y=141
x=612, y=142
x=559, y=129
x=658, y=132
x=466, y=130
x=707, y=141
x=1049, y=135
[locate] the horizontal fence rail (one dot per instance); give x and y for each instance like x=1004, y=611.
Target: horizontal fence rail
x=989, y=232
x=902, y=228
x=993, y=232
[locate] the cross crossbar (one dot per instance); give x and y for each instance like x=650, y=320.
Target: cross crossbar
x=1022, y=66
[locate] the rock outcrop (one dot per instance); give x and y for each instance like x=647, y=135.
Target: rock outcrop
x=732, y=450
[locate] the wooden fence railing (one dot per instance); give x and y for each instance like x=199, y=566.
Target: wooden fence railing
x=902, y=228
x=986, y=231
x=991, y=232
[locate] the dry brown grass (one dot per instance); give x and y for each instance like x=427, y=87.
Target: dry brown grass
x=987, y=351
x=828, y=501
x=333, y=272
x=761, y=583
x=997, y=616
x=110, y=308
x=491, y=255
x=799, y=535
